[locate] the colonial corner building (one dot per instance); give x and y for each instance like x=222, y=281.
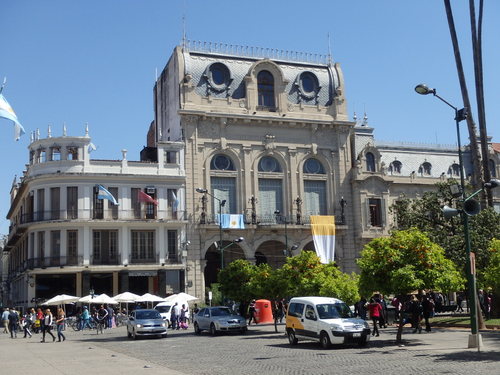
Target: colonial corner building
x=261, y=135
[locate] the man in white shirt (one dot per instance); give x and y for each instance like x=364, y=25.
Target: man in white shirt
x=5, y=321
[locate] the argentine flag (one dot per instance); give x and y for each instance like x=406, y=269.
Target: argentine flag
x=230, y=221
x=8, y=113
x=323, y=233
x=103, y=193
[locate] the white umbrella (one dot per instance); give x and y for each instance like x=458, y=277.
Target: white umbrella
x=86, y=299
x=61, y=299
x=187, y=297
x=148, y=297
x=126, y=297
x=104, y=298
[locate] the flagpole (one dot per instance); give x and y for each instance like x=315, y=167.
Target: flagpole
x=3, y=84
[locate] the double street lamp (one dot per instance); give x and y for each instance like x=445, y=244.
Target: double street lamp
x=470, y=207
x=222, y=203
x=283, y=219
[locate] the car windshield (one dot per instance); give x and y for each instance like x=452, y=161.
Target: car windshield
x=221, y=311
x=149, y=314
x=334, y=311
x=163, y=309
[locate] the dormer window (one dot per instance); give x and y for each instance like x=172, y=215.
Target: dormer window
x=55, y=153
x=265, y=86
x=425, y=169
x=72, y=153
x=395, y=167
x=370, y=162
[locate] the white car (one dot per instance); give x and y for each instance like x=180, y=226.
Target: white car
x=326, y=320
x=165, y=309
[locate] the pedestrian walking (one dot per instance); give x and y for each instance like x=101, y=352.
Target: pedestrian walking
x=460, y=299
x=60, y=324
x=48, y=320
x=416, y=314
x=375, y=311
x=39, y=320
x=182, y=318
x=85, y=319
x=428, y=311
x=13, y=323
x=174, y=316
x=360, y=308
x=5, y=320
x=27, y=323
x=251, y=312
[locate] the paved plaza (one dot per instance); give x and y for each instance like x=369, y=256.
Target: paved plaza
x=261, y=351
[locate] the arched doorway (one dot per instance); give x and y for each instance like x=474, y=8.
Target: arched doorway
x=272, y=253
x=213, y=258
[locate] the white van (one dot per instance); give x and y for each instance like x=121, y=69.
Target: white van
x=165, y=309
x=326, y=320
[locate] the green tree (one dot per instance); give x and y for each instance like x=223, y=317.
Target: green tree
x=425, y=214
x=236, y=280
x=404, y=262
x=492, y=271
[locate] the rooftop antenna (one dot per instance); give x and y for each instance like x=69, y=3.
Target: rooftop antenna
x=3, y=84
x=184, y=31
x=329, y=51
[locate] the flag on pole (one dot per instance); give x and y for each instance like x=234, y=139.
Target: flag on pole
x=103, y=193
x=145, y=198
x=323, y=233
x=175, y=202
x=230, y=221
x=8, y=113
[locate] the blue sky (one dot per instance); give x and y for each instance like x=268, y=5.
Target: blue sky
x=94, y=61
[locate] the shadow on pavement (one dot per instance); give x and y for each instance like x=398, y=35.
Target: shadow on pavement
x=468, y=356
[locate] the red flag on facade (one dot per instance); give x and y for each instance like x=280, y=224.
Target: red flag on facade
x=143, y=197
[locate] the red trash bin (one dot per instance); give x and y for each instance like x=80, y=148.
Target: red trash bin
x=263, y=311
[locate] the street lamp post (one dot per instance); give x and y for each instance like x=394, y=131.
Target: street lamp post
x=460, y=115
x=221, y=204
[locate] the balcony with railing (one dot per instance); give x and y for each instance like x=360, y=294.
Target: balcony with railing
x=267, y=220
x=107, y=215
x=56, y=261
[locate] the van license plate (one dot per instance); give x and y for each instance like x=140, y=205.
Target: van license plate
x=356, y=334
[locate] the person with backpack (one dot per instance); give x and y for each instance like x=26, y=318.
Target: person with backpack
x=13, y=323
x=428, y=311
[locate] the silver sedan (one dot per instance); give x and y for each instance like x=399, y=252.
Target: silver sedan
x=218, y=319
x=146, y=322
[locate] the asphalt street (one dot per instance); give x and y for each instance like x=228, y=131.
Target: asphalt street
x=260, y=351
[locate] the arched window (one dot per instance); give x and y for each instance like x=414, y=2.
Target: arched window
x=221, y=162
x=493, y=170
x=265, y=86
x=223, y=183
x=269, y=164
x=313, y=166
x=425, y=169
x=370, y=162
x=454, y=170
x=395, y=167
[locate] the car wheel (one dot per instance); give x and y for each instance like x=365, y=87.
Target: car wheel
x=324, y=340
x=164, y=336
x=197, y=329
x=244, y=330
x=213, y=331
x=291, y=338
x=363, y=341
x=134, y=336
x=128, y=334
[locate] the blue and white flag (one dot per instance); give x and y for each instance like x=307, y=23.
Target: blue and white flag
x=230, y=221
x=103, y=193
x=175, y=202
x=8, y=113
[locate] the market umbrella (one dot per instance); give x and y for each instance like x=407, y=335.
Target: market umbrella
x=148, y=297
x=126, y=297
x=61, y=299
x=187, y=297
x=104, y=298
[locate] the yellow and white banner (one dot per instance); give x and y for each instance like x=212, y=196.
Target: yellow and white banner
x=323, y=233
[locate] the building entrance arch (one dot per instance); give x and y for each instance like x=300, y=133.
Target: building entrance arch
x=272, y=253
x=213, y=258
